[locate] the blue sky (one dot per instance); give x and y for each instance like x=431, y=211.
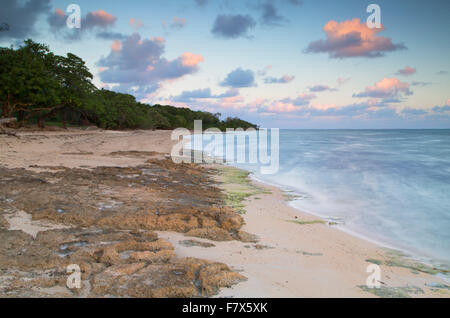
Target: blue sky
x=278, y=63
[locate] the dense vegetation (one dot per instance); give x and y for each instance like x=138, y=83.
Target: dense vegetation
x=39, y=86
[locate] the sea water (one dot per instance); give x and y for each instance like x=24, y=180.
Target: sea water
x=390, y=186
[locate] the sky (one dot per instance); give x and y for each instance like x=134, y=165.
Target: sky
x=312, y=64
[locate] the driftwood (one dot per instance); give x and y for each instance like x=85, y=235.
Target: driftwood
x=4, y=130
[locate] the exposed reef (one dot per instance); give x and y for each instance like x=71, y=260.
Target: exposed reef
x=103, y=219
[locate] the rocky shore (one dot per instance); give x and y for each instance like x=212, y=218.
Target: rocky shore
x=103, y=219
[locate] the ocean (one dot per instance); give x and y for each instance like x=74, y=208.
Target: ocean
x=388, y=186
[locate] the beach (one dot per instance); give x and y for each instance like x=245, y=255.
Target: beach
x=253, y=246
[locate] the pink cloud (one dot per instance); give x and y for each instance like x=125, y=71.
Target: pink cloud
x=352, y=38
x=178, y=22
x=116, y=46
x=386, y=88
x=100, y=18
x=288, y=78
x=158, y=39
x=191, y=59
x=60, y=12
x=259, y=101
x=94, y=20
x=136, y=24
x=320, y=106
x=321, y=88
x=301, y=100
x=137, y=65
x=264, y=71
x=288, y=105
x=282, y=80
x=233, y=99
x=280, y=107
x=407, y=71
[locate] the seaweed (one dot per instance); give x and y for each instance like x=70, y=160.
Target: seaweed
x=237, y=187
x=307, y=222
x=400, y=259
x=393, y=292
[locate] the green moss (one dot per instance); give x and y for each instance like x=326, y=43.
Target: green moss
x=393, y=292
x=374, y=261
x=307, y=222
x=309, y=254
x=438, y=286
x=412, y=266
x=234, y=176
x=399, y=259
x=237, y=187
x=235, y=200
x=291, y=197
x=440, y=291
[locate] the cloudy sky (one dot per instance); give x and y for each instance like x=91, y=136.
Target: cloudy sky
x=277, y=63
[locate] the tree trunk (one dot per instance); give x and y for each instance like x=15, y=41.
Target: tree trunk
x=21, y=118
x=6, y=111
x=41, y=122
x=64, y=117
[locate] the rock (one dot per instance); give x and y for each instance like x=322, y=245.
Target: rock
x=246, y=237
x=115, y=247
x=158, y=257
x=211, y=233
x=124, y=269
x=214, y=276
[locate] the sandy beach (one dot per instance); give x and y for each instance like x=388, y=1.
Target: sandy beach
x=269, y=250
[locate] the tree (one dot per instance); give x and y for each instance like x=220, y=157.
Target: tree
x=74, y=85
x=37, y=84
x=26, y=78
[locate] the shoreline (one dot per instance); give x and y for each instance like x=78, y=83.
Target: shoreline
x=296, y=254
x=336, y=232
x=415, y=256
x=428, y=260
x=407, y=258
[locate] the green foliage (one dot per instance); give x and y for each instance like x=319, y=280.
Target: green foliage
x=234, y=122
x=27, y=78
x=307, y=222
x=393, y=292
x=38, y=85
x=237, y=187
